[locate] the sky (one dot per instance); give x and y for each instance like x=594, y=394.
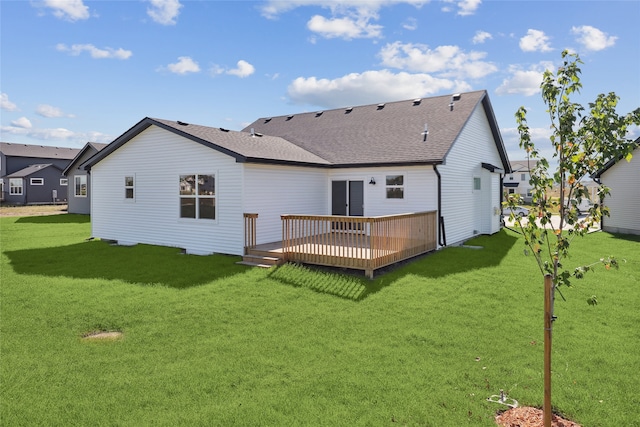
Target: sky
x=74, y=71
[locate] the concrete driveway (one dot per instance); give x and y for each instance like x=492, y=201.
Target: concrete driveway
x=555, y=221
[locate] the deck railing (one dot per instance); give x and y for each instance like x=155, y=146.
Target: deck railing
x=250, y=220
x=364, y=243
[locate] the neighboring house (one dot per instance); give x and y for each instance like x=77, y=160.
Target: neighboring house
x=79, y=188
x=517, y=182
x=32, y=174
x=623, y=180
x=177, y=184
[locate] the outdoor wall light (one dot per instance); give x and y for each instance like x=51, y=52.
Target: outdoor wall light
x=373, y=181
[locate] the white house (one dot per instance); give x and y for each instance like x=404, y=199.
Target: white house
x=517, y=182
x=177, y=184
x=623, y=180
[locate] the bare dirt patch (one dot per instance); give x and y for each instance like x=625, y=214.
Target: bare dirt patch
x=526, y=416
x=33, y=210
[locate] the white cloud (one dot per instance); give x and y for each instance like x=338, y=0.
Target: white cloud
x=7, y=105
x=60, y=134
x=244, y=69
x=22, y=122
x=50, y=111
x=523, y=82
x=272, y=8
x=70, y=10
x=410, y=24
x=481, y=37
x=535, y=41
x=349, y=18
x=184, y=65
x=346, y=27
x=592, y=38
x=368, y=87
x=465, y=7
x=449, y=61
x=164, y=12
x=106, y=53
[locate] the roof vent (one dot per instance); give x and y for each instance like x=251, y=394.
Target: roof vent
x=319, y=113
x=348, y=110
x=425, y=133
x=182, y=123
x=456, y=97
x=224, y=130
x=417, y=101
x=380, y=106
x=267, y=120
x=254, y=133
x=289, y=117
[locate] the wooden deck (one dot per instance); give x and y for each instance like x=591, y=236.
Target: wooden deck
x=363, y=243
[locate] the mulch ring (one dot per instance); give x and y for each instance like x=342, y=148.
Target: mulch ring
x=527, y=416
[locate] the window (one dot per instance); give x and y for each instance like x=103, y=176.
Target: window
x=510, y=177
x=36, y=181
x=198, y=196
x=395, y=186
x=512, y=191
x=80, y=182
x=64, y=182
x=523, y=176
x=129, y=187
x=15, y=186
x=477, y=183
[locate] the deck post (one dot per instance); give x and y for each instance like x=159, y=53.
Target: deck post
x=250, y=220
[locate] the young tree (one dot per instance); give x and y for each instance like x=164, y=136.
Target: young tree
x=583, y=142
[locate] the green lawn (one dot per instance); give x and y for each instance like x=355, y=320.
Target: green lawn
x=209, y=342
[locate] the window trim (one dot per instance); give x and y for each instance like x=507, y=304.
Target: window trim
x=197, y=197
x=36, y=181
x=75, y=186
x=13, y=187
x=388, y=186
x=131, y=187
x=478, y=180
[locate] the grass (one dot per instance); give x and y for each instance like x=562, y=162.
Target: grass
x=209, y=342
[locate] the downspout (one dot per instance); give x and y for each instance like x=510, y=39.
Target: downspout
x=442, y=237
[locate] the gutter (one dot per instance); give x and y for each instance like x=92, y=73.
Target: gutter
x=442, y=237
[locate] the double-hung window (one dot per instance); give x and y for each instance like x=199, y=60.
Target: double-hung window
x=129, y=187
x=395, y=186
x=15, y=186
x=80, y=184
x=198, y=196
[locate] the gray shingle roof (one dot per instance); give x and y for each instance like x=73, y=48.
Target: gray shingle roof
x=378, y=133
x=30, y=170
x=41, y=151
x=244, y=146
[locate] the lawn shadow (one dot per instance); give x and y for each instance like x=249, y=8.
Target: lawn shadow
x=627, y=237
x=55, y=219
x=140, y=264
x=477, y=253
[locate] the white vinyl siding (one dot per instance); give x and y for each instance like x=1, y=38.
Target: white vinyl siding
x=159, y=158
x=272, y=191
x=465, y=213
x=624, y=199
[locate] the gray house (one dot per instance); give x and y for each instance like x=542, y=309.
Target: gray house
x=79, y=188
x=32, y=174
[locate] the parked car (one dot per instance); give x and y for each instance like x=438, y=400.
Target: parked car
x=520, y=211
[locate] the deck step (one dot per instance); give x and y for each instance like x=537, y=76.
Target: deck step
x=255, y=264
x=261, y=260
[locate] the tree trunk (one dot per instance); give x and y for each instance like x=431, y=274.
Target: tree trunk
x=548, y=325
